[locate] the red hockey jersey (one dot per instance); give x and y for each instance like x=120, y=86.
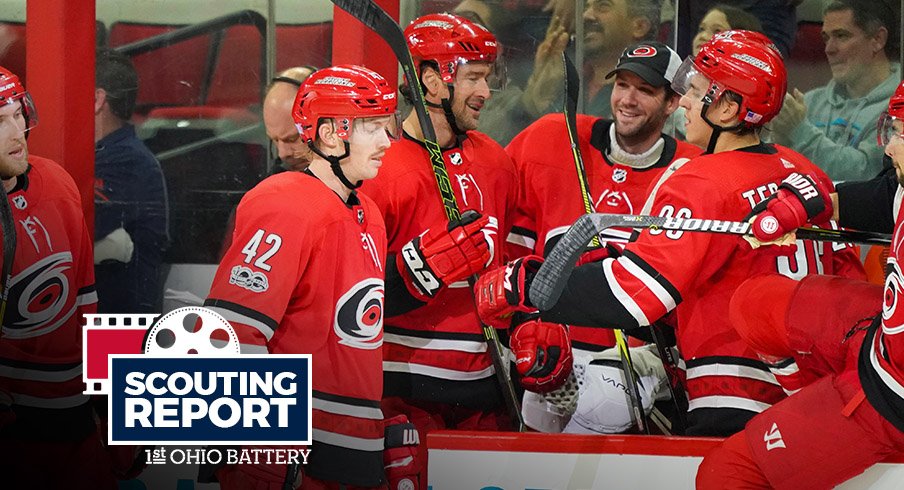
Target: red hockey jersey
x=698, y=272
x=309, y=279
x=437, y=351
x=52, y=287
x=881, y=364
x=550, y=195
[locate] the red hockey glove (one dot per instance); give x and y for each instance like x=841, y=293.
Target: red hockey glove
x=502, y=291
x=542, y=355
x=799, y=200
x=400, y=455
x=440, y=257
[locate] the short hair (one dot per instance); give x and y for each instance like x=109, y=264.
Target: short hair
x=872, y=15
x=651, y=10
x=115, y=73
x=739, y=18
x=295, y=76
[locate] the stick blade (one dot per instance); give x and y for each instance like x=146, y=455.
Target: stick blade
x=552, y=277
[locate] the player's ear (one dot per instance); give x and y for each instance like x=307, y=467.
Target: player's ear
x=671, y=101
x=326, y=133
x=433, y=83
x=727, y=111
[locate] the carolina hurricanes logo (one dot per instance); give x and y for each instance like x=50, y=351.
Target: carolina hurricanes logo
x=892, y=318
x=359, y=315
x=643, y=52
x=37, y=298
x=615, y=202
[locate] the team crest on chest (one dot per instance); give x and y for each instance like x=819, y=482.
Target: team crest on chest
x=359, y=315
x=619, y=175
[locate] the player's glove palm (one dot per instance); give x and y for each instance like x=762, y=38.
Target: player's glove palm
x=799, y=199
x=542, y=355
x=502, y=291
x=440, y=257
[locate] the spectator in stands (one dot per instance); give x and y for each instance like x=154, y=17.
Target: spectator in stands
x=834, y=125
x=292, y=153
x=723, y=18
x=130, y=204
x=778, y=19
x=609, y=27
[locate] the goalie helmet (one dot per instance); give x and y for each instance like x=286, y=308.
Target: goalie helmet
x=344, y=93
x=895, y=112
x=12, y=91
x=740, y=62
x=449, y=40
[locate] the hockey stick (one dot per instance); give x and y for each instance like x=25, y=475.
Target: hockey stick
x=8, y=225
x=375, y=18
x=572, y=93
x=552, y=277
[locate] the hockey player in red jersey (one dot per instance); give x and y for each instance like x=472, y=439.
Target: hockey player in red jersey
x=838, y=342
x=437, y=369
x=309, y=279
x=729, y=90
x=624, y=157
x=49, y=436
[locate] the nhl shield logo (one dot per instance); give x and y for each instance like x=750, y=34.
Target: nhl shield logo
x=619, y=175
x=20, y=202
x=455, y=158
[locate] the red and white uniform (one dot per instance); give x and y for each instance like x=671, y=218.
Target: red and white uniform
x=550, y=194
x=698, y=272
x=882, y=358
x=827, y=424
x=309, y=279
x=437, y=352
x=52, y=287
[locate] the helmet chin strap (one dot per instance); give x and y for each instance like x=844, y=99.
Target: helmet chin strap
x=446, y=105
x=335, y=166
x=717, y=130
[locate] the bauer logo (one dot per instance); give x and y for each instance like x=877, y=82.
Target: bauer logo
x=191, y=386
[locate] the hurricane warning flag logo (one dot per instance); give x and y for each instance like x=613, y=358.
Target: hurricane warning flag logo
x=182, y=380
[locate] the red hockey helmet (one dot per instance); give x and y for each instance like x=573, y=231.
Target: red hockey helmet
x=750, y=36
x=345, y=93
x=449, y=40
x=737, y=61
x=11, y=91
x=895, y=112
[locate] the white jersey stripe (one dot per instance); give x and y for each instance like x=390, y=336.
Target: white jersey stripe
x=624, y=298
x=41, y=375
x=56, y=403
x=733, y=370
x=88, y=298
x=350, y=442
x=717, y=401
x=436, y=372
x=652, y=284
x=232, y=316
x=435, y=344
x=886, y=377
x=521, y=240
x=338, y=408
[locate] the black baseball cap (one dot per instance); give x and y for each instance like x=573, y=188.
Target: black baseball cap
x=655, y=62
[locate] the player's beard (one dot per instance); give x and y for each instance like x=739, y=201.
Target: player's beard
x=463, y=117
x=651, y=125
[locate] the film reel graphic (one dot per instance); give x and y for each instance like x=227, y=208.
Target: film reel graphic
x=178, y=333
